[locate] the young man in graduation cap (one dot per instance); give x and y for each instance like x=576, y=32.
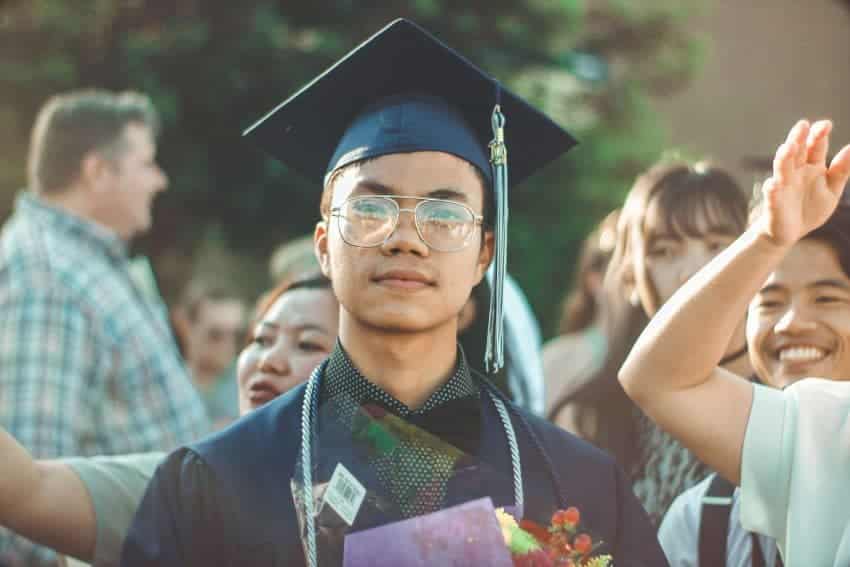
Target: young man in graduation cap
x=413, y=210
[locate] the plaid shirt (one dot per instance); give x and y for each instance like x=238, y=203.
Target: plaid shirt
x=88, y=364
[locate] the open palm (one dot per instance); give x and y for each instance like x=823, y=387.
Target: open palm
x=803, y=192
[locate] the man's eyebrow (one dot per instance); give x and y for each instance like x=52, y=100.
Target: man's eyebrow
x=844, y=286
x=374, y=187
x=378, y=188
x=449, y=194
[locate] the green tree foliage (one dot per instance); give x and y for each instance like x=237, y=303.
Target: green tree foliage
x=213, y=67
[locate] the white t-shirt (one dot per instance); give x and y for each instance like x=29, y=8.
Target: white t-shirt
x=795, y=471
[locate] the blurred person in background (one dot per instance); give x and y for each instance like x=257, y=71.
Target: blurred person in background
x=293, y=259
x=582, y=347
x=210, y=322
x=788, y=448
x=676, y=218
x=88, y=363
x=294, y=331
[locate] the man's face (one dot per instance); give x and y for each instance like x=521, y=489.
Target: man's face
x=133, y=180
x=799, y=322
x=215, y=336
x=402, y=285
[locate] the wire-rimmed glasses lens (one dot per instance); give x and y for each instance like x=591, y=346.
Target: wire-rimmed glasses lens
x=369, y=221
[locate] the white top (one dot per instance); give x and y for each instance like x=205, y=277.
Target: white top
x=679, y=532
x=795, y=471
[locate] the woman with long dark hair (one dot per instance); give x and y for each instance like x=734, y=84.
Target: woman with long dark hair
x=676, y=218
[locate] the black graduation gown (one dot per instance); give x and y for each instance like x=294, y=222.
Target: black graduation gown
x=227, y=499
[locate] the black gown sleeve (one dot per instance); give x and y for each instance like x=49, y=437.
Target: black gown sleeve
x=636, y=543
x=183, y=519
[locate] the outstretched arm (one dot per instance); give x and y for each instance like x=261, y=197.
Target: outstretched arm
x=672, y=370
x=45, y=501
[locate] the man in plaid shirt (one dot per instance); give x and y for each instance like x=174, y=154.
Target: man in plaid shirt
x=88, y=364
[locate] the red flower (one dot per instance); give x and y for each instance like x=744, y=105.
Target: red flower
x=566, y=518
x=583, y=544
x=540, y=533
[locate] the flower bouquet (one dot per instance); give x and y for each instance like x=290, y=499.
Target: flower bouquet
x=474, y=534
x=562, y=544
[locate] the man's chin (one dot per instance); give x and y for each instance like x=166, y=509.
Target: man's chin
x=401, y=323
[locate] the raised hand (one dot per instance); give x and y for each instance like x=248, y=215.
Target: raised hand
x=802, y=192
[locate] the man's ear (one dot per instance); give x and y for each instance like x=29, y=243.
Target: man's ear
x=94, y=172
x=485, y=256
x=320, y=246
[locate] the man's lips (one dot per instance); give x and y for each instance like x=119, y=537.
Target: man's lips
x=405, y=279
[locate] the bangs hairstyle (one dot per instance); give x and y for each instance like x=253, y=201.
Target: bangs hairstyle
x=310, y=281
x=683, y=194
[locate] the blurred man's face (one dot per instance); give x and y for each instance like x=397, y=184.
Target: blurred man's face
x=215, y=336
x=133, y=181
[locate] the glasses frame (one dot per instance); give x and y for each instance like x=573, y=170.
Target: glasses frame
x=477, y=220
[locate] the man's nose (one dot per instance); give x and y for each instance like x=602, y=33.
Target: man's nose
x=795, y=320
x=405, y=237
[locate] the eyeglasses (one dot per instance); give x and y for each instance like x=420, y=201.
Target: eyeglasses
x=369, y=221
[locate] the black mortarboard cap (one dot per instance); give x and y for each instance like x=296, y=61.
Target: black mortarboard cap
x=403, y=90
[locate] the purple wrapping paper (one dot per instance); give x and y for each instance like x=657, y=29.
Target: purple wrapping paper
x=467, y=534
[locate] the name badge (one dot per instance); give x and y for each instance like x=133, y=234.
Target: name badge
x=344, y=494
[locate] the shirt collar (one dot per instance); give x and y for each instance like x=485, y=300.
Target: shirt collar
x=342, y=377
x=31, y=205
